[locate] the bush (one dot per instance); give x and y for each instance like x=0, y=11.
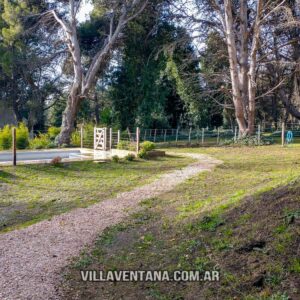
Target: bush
x=75, y=139
x=147, y=146
x=56, y=161
x=248, y=141
x=126, y=145
x=5, y=138
x=22, y=137
x=116, y=159
x=53, y=132
x=143, y=154
x=42, y=141
x=130, y=157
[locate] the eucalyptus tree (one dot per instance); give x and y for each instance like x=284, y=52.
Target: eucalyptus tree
x=242, y=25
x=116, y=14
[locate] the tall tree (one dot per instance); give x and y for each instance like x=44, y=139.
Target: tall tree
x=117, y=14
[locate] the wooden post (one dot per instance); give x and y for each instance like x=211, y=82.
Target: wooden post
x=235, y=133
x=218, y=136
x=145, y=135
x=258, y=134
x=95, y=137
x=177, y=131
x=105, y=139
x=282, y=134
x=165, y=135
x=110, y=138
x=155, y=130
x=14, y=148
x=81, y=136
x=190, y=135
x=202, y=136
x=119, y=136
x=137, y=140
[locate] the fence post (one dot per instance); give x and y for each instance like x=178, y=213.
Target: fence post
x=105, y=139
x=235, y=133
x=137, y=140
x=110, y=138
x=177, y=135
x=282, y=134
x=119, y=136
x=95, y=132
x=165, y=136
x=81, y=136
x=258, y=134
x=190, y=135
x=14, y=148
x=155, y=135
x=202, y=139
x=218, y=136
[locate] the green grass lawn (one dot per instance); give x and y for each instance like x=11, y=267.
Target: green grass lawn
x=30, y=193
x=206, y=222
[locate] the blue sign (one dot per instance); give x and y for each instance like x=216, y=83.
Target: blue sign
x=289, y=137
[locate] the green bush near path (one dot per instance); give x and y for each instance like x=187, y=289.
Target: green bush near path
x=22, y=137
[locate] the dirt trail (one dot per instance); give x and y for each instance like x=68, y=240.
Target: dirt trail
x=31, y=258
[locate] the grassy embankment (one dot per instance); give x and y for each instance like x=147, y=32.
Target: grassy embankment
x=235, y=219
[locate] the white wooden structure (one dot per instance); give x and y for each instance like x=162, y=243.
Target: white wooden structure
x=100, y=139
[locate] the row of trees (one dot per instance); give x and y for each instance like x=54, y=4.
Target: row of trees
x=150, y=63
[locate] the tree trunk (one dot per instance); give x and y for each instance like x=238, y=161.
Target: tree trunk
x=252, y=69
x=234, y=72
x=244, y=66
x=68, y=119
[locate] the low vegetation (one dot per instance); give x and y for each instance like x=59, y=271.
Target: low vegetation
x=30, y=193
x=242, y=219
x=41, y=140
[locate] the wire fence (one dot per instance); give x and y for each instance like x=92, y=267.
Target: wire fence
x=84, y=136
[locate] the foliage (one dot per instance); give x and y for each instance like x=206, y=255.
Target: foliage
x=248, y=141
x=126, y=145
x=42, y=141
x=5, y=138
x=147, y=146
x=22, y=136
x=56, y=161
x=130, y=157
x=53, y=132
x=76, y=139
x=115, y=159
x=143, y=154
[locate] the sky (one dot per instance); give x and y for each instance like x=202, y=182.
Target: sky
x=85, y=10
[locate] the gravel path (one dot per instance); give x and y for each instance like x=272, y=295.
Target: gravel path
x=31, y=258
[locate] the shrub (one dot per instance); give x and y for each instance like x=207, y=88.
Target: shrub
x=56, y=161
x=22, y=141
x=116, y=159
x=126, y=145
x=130, y=157
x=53, y=132
x=143, y=154
x=42, y=141
x=248, y=141
x=5, y=138
x=75, y=139
x=147, y=146
x=22, y=137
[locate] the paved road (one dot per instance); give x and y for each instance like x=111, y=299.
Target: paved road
x=38, y=155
